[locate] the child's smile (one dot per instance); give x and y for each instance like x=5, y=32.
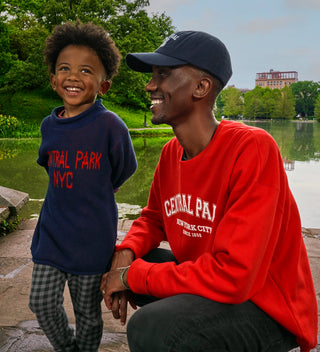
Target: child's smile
x=79, y=78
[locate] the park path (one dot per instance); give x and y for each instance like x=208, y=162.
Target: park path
x=19, y=331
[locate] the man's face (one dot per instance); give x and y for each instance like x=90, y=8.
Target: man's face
x=171, y=91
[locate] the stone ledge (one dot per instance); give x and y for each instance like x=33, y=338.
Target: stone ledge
x=12, y=199
x=4, y=212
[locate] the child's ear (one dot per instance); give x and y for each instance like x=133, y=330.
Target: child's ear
x=53, y=81
x=104, y=87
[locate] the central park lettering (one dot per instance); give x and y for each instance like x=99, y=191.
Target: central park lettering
x=84, y=160
x=181, y=203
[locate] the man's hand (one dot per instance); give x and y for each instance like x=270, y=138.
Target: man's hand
x=122, y=258
x=111, y=284
x=120, y=304
x=115, y=295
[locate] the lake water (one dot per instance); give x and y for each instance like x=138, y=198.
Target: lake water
x=299, y=143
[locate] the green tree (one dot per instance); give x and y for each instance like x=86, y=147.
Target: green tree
x=218, y=106
x=253, y=103
x=136, y=32
x=232, y=100
x=287, y=103
x=127, y=22
x=269, y=103
x=271, y=99
x=317, y=108
x=27, y=39
x=305, y=94
x=6, y=58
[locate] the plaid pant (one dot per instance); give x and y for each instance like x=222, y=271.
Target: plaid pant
x=46, y=301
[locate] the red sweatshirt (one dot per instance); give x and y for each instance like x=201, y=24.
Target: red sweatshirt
x=234, y=227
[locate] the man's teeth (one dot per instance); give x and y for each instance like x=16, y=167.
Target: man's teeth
x=73, y=89
x=156, y=101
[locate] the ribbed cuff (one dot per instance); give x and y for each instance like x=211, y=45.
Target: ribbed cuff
x=138, y=276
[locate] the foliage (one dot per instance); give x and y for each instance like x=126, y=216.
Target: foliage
x=232, y=100
x=11, y=127
x=268, y=103
x=6, y=57
x=253, y=107
x=23, y=74
x=287, y=104
x=271, y=99
x=136, y=32
x=305, y=94
x=8, y=124
x=8, y=226
x=317, y=108
x=27, y=23
x=27, y=70
x=218, y=107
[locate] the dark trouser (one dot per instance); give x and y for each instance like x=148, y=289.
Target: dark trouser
x=186, y=323
x=46, y=301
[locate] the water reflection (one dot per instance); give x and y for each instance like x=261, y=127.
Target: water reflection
x=299, y=143
x=288, y=164
x=297, y=140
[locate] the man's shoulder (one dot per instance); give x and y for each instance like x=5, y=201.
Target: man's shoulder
x=240, y=128
x=172, y=144
x=239, y=135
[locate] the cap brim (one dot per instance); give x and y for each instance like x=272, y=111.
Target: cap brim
x=143, y=62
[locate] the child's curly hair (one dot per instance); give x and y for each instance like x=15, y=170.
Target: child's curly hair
x=89, y=35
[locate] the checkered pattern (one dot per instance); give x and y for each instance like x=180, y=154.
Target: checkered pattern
x=46, y=301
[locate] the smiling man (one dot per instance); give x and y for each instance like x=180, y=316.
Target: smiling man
x=237, y=277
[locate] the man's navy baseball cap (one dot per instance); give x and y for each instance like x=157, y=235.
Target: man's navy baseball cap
x=198, y=49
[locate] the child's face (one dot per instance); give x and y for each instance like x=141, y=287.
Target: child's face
x=79, y=77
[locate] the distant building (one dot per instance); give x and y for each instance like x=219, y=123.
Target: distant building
x=276, y=79
x=243, y=90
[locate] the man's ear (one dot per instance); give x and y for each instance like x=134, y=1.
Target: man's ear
x=53, y=81
x=204, y=86
x=104, y=87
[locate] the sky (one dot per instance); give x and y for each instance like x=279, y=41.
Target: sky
x=283, y=35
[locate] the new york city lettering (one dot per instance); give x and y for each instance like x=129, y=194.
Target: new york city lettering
x=192, y=230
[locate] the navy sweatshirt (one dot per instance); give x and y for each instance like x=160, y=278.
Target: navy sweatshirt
x=87, y=157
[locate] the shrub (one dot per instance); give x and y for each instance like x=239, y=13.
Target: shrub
x=8, y=125
x=8, y=226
